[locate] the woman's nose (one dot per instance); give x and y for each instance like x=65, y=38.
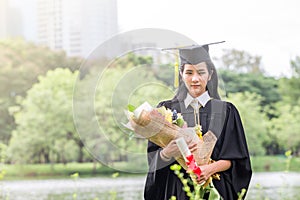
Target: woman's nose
x=195, y=78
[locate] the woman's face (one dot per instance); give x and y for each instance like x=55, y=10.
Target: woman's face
x=195, y=78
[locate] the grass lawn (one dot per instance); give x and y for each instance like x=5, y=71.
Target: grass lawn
x=275, y=163
x=41, y=171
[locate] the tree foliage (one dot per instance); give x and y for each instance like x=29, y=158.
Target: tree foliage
x=119, y=86
x=241, y=61
x=266, y=87
x=45, y=130
x=21, y=64
x=285, y=128
x=295, y=65
x=255, y=122
x=289, y=87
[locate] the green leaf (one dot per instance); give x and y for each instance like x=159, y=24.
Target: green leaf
x=180, y=122
x=131, y=108
x=214, y=194
x=75, y=175
x=241, y=194
x=288, y=153
x=115, y=175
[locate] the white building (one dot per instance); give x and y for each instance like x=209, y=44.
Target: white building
x=10, y=21
x=3, y=18
x=76, y=26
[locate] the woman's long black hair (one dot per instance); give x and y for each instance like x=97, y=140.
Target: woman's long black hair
x=212, y=84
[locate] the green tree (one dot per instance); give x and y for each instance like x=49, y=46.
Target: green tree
x=255, y=122
x=110, y=105
x=289, y=87
x=21, y=64
x=118, y=85
x=285, y=128
x=45, y=130
x=289, y=90
x=295, y=65
x=241, y=61
x=266, y=87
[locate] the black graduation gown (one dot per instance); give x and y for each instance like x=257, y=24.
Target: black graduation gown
x=223, y=119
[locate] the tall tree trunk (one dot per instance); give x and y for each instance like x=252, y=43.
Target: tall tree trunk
x=47, y=157
x=80, y=156
x=80, y=145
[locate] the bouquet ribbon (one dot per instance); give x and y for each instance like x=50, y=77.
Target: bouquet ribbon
x=190, y=161
x=192, y=165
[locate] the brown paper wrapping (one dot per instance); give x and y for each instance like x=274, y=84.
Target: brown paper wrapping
x=154, y=127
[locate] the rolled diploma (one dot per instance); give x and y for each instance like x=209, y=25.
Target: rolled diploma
x=186, y=153
x=183, y=148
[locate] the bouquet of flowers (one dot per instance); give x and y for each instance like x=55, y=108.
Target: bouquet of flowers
x=161, y=125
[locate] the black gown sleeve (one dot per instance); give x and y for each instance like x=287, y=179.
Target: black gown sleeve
x=161, y=182
x=155, y=181
x=232, y=146
x=155, y=185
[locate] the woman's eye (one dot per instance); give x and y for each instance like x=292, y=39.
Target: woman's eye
x=201, y=72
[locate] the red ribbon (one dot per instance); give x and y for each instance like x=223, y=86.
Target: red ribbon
x=192, y=165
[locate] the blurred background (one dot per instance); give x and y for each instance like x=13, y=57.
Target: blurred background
x=45, y=46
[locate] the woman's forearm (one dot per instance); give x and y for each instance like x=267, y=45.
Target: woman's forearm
x=219, y=166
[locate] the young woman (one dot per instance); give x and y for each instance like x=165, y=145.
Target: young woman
x=197, y=99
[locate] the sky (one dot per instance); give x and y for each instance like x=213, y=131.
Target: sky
x=270, y=29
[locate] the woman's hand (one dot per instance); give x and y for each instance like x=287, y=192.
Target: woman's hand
x=206, y=173
x=208, y=170
x=171, y=150
x=192, y=144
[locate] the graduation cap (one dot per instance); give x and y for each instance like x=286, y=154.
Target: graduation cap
x=192, y=54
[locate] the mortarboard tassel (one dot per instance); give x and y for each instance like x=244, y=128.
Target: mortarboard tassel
x=176, y=73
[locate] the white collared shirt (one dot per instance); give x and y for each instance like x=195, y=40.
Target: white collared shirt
x=202, y=99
